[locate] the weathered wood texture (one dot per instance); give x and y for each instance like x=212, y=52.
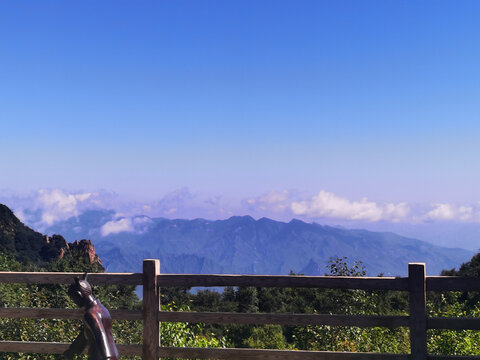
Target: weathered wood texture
x=434, y=283
x=418, y=318
x=57, y=348
x=67, y=278
x=202, y=353
x=151, y=307
x=332, y=282
x=42, y=313
x=453, y=323
x=452, y=283
x=199, y=353
x=283, y=319
x=452, y=357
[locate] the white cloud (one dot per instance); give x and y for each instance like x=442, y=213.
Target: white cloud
x=45, y=207
x=141, y=224
x=450, y=212
x=274, y=201
x=397, y=212
x=328, y=205
x=117, y=226
x=136, y=224
x=59, y=205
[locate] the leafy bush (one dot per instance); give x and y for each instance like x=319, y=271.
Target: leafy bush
x=55, y=296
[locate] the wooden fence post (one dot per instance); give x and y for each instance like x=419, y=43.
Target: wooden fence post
x=418, y=313
x=151, y=307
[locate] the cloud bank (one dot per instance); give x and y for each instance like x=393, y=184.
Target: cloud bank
x=46, y=207
x=58, y=205
x=452, y=212
x=328, y=205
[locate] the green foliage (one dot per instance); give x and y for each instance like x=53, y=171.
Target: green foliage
x=33, y=296
x=266, y=337
x=353, y=302
x=339, y=267
x=185, y=334
x=339, y=338
x=451, y=342
x=55, y=296
x=311, y=301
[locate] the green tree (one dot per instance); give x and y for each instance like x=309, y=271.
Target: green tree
x=266, y=337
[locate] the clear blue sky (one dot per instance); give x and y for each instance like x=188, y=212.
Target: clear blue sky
x=361, y=98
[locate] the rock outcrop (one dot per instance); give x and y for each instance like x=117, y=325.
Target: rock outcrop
x=85, y=249
x=28, y=245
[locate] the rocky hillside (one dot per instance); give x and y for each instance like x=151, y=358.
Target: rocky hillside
x=27, y=245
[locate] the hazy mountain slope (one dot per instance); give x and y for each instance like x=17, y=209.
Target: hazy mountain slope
x=239, y=244
x=265, y=246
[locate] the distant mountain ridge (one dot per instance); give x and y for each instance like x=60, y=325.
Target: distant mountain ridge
x=240, y=245
x=244, y=245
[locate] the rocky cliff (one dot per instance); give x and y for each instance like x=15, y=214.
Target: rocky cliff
x=28, y=245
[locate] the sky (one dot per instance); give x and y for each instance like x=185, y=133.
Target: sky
x=344, y=110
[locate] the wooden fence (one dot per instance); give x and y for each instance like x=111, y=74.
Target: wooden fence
x=152, y=280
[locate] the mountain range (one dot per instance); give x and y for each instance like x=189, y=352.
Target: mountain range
x=243, y=245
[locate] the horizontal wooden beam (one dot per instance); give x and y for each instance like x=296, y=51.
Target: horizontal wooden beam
x=434, y=283
x=41, y=313
x=56, y=348
x=453, y=323
x=452, y=283
x=334, y=282
x=220, y=317
x=452, y=357
x=202, y=353
x=283, y=319
x=205, y=353
x=67, y=278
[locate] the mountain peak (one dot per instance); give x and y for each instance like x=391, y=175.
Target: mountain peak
x=5, y=211
x=241, y=218
x=7, y=217
x=297, y=222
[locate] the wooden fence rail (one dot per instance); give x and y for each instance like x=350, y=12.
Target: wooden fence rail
x=416, y=284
